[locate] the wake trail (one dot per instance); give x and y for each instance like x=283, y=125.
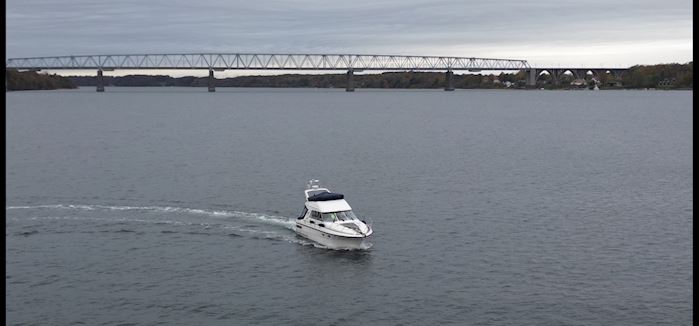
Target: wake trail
x=274, y=220
x=258, y=217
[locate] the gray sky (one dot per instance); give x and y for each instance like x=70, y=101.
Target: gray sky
x=544, y=32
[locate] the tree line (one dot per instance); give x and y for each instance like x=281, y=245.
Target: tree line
x=31, y=80
x=660, y=76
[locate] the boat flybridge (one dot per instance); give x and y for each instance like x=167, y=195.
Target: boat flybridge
x=328, y=219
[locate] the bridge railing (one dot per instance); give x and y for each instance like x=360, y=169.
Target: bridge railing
x=223, y=61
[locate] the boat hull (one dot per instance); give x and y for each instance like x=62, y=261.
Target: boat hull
x=330, y=240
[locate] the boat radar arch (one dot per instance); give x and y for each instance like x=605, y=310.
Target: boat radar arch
x=313, y=183
x=313, y=188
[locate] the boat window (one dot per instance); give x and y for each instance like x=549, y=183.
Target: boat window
x=348, y=216
x=315, y=215
x=339, y=216
x=330, y=217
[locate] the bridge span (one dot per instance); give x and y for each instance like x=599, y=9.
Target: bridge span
x=261, y=61
x=267, y=61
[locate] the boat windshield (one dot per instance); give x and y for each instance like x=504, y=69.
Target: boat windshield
x=339, y=216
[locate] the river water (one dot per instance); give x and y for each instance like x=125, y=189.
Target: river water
x=174, y=206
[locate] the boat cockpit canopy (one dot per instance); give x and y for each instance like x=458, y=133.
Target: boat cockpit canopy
x=325, y=196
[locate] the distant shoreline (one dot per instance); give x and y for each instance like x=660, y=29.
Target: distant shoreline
x=660, y=77
x=367, y=88
x=387, y=89
x=405, y=89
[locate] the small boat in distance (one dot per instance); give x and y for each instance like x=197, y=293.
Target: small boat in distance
x=328, y=219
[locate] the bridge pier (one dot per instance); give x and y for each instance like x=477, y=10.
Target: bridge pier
x=556, y=76
x=601, y=74
x=618, y=74
x=449, y=81
x=582, y=74
x=212, y=81
x=350, y=81
x=100, y=81
x=531, y=77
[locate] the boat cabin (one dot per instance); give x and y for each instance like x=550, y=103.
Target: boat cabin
x=327, y=206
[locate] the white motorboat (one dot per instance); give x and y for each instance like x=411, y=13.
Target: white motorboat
x=328, y=219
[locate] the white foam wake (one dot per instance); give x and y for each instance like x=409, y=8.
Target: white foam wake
x=269, y=219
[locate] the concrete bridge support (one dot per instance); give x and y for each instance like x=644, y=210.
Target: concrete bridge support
x=100, y=81
x=556, y=76
x=350, y=81
x=618, y=74
x=449, y=81
x=212, y=81
x=531, y=77
x=580, y=73
x=600, y=74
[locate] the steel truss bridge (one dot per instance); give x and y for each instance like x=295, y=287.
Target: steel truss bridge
x=268, y=61
x=225, y=61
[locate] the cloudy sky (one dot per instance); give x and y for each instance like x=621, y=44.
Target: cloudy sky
x=544, y=32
